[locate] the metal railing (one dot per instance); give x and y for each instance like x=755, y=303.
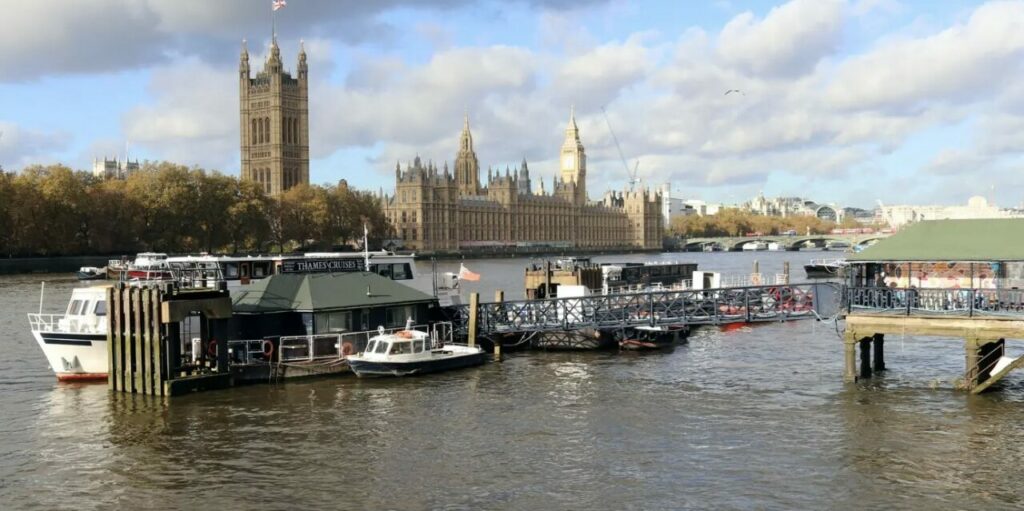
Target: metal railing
x=65, y=323
x=936, y=301
x=691, y=307
x=309, y=348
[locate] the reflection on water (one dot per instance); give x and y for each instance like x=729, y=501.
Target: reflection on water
x=756, y=418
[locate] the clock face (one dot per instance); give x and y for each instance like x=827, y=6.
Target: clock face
x=567, y=161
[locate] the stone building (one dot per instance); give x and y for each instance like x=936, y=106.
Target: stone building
x=116, y=168
x=436, y=210
x=274, y=111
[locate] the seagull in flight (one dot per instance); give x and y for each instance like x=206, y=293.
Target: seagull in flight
x=737, y=91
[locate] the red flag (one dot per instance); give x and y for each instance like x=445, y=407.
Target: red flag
x=465, y=274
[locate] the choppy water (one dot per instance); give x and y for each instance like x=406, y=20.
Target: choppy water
x=752, y=419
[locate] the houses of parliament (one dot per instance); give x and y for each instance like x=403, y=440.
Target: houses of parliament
x=437, y=210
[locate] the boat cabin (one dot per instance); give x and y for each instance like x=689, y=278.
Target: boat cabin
x=404, y=342
x=326, y=303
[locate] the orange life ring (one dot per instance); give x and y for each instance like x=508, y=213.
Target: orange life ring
x=211, y=348
x=268, y=348
x=346, y=348
x=405, y=334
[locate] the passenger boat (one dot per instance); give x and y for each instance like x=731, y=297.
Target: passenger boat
x=826, y=268
x=91, y=273
x=651, y=337
x=755, y=246
x=412, y=352
x=75, y=343
x=145, y=266
x=604, y=278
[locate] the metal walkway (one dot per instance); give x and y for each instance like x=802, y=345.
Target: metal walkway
x=750, y=304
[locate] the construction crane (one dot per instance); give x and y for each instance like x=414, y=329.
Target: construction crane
x=634, y=179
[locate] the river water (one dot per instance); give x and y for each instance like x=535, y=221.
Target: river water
x=756, y=418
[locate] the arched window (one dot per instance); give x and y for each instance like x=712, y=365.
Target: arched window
x=295, y=130
x=266, y=127
x=253, y=132
x=259, y=131
x=285, y=132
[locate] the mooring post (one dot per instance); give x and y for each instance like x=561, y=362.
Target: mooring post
x=499, y=296
x=474, y=300
x=865, y=357
x=755, y=276
x=785, y=272
x=971, y=361
x=850, y=357
x=878, y=350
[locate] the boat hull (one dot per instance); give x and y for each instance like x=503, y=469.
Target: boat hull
x=365, y=368
x=823, y=271
x=75, y=356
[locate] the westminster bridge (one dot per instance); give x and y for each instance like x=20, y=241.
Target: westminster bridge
x=735, y=243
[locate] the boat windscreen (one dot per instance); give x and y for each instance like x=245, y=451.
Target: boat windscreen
x=382, y=347
x=401, y=348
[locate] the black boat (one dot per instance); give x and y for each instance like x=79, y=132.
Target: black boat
x=826, y=268
x=410, y=352
x=651, y=337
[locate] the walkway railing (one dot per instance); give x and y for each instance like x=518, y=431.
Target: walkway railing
x=934, y=301
x=692, y=307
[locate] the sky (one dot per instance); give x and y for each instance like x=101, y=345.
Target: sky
x=852, y=102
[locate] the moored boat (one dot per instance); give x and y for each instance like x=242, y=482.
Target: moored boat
x=412, y=352
x=651, y=337
x=91, y=273
x=75, y=343
x=825, y=268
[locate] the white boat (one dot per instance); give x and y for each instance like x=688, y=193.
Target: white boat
x=774, y=246
x=411, y=352
x=75, y=343
x=755, y=246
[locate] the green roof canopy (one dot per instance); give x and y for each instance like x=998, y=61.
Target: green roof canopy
x=322, y=292
x=951, y=240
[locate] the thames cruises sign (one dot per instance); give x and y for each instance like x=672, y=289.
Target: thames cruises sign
x=322, y=265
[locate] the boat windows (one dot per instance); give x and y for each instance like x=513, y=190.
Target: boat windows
x=417, y=346
x=333, y=322
x=101, y=308
x=231, y=270
x=384, y=270
x=370, y=347
x=382, y=347
x=75, y=308
x=401, y=348
x=396, y=316
x=401, y=271
x=258, y=270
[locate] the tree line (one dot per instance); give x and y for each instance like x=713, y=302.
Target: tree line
x=54, y=210
x=737, y=222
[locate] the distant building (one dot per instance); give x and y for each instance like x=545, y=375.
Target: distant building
x=113, y=169
x=701, y=208
x=434, y=210
x=977, y=208
x=795, y=206
x=274, y=111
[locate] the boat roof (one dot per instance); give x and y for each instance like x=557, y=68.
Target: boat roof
x=308, y=292
x=984, y=240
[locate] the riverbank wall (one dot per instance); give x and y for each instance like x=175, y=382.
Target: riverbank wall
x=66, y=264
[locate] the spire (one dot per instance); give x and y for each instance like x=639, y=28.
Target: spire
x=466, y=139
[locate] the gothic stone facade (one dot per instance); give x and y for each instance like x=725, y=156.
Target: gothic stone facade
x=274, y=110
x=434, y=210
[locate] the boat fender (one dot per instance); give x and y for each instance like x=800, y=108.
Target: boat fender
x=268, y=348
x=346, y=348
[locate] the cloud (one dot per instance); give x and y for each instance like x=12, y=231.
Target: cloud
x=20, y=146
x=788, y=42
x=960, y=64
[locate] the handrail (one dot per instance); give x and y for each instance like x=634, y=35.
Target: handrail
x=936, y=301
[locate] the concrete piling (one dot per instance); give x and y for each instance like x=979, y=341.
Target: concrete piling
x=474, y=303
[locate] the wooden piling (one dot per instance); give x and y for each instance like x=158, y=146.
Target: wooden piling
x=878, y=350
x=865, y=357
x=971, y=362
x=785, y=271
x=474, y=301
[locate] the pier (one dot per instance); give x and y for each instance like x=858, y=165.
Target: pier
x=721, y=306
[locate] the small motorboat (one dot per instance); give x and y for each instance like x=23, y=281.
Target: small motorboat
x=826, y=268
x=91, y=273
x=412, y=352
x=651, y=337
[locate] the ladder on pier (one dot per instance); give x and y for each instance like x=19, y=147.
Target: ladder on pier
x=1001, y=368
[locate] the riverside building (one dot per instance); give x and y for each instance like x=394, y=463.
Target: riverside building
x=435, y=210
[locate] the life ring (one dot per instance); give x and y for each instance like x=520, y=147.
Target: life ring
x=774, y=292
x=405, y=334
x=346, y=348
x=211, y=348
x=268, y=348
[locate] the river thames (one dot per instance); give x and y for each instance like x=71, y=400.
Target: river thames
x=755, y=418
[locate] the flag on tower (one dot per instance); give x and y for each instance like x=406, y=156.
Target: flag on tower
x=278, y=4
x=465, y=274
